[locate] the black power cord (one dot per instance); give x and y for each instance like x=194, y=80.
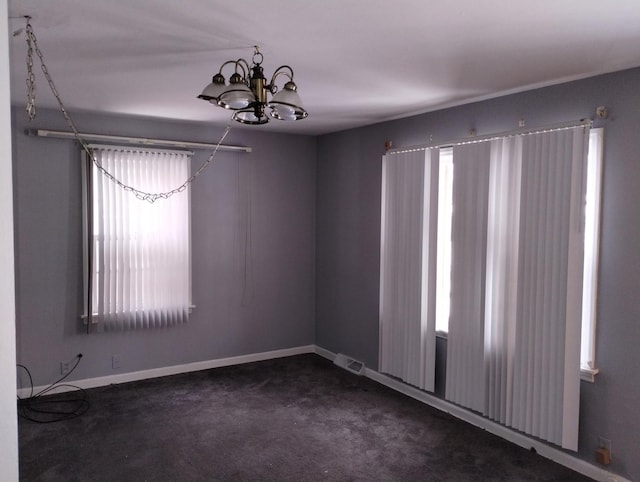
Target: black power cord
x=40, y=409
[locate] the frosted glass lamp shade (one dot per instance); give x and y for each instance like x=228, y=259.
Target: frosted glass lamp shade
x=287, y=105
x=213, y=90
x=237, y=96
x=248, y=116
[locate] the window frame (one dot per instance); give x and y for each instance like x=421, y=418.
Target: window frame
x=595, y=163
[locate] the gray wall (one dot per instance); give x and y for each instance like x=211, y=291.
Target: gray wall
x=248, y=300
x=348, y=216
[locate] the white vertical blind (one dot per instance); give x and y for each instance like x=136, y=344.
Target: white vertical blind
x=527, y=284
x=502, y=275
x=407, y=286
x=465, y=380
x=141, y=274
x=551, y=252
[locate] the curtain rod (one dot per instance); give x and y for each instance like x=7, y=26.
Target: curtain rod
x=489, y=137
x=133, y=140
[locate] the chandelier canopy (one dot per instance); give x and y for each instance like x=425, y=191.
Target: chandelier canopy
x=246, y=93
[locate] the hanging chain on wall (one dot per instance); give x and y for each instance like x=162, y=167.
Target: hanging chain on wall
x=32, y=46
x=31, y=77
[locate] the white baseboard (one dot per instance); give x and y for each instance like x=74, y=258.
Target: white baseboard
x=172, y=370
x=324, y=353
x=579, y=465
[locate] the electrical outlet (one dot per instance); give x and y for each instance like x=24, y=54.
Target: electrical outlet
x=65, y=367
x=604, y=443
x=115, y=361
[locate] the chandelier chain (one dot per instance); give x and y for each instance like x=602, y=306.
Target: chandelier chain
x=31, y=78
x=32, y=44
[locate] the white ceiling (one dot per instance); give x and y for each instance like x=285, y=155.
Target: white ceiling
x=356, y=62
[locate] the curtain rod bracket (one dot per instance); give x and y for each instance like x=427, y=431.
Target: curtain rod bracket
x=602, y=112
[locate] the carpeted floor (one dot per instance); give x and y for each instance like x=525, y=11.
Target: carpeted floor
x=291, y=419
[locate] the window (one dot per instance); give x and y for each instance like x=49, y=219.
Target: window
x=137, y=253
x=445, y=214
x=486, y=241
x=591, y=251
x=592, y=237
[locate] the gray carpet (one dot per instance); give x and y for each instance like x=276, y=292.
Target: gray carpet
x=291, y=419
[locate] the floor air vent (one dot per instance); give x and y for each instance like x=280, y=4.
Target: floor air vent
x=350, y=364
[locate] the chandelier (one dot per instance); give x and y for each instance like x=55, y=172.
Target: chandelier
x=246, y=93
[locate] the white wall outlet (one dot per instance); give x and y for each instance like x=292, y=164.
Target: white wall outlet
x=604, y=443
x=65, y=367
x=115, y=361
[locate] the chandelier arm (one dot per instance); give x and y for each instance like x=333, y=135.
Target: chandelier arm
x=278, y=72
x=142, y=195
x=225, y=64
x=244, y=65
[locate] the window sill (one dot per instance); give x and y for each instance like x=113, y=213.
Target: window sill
x=588, y=374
